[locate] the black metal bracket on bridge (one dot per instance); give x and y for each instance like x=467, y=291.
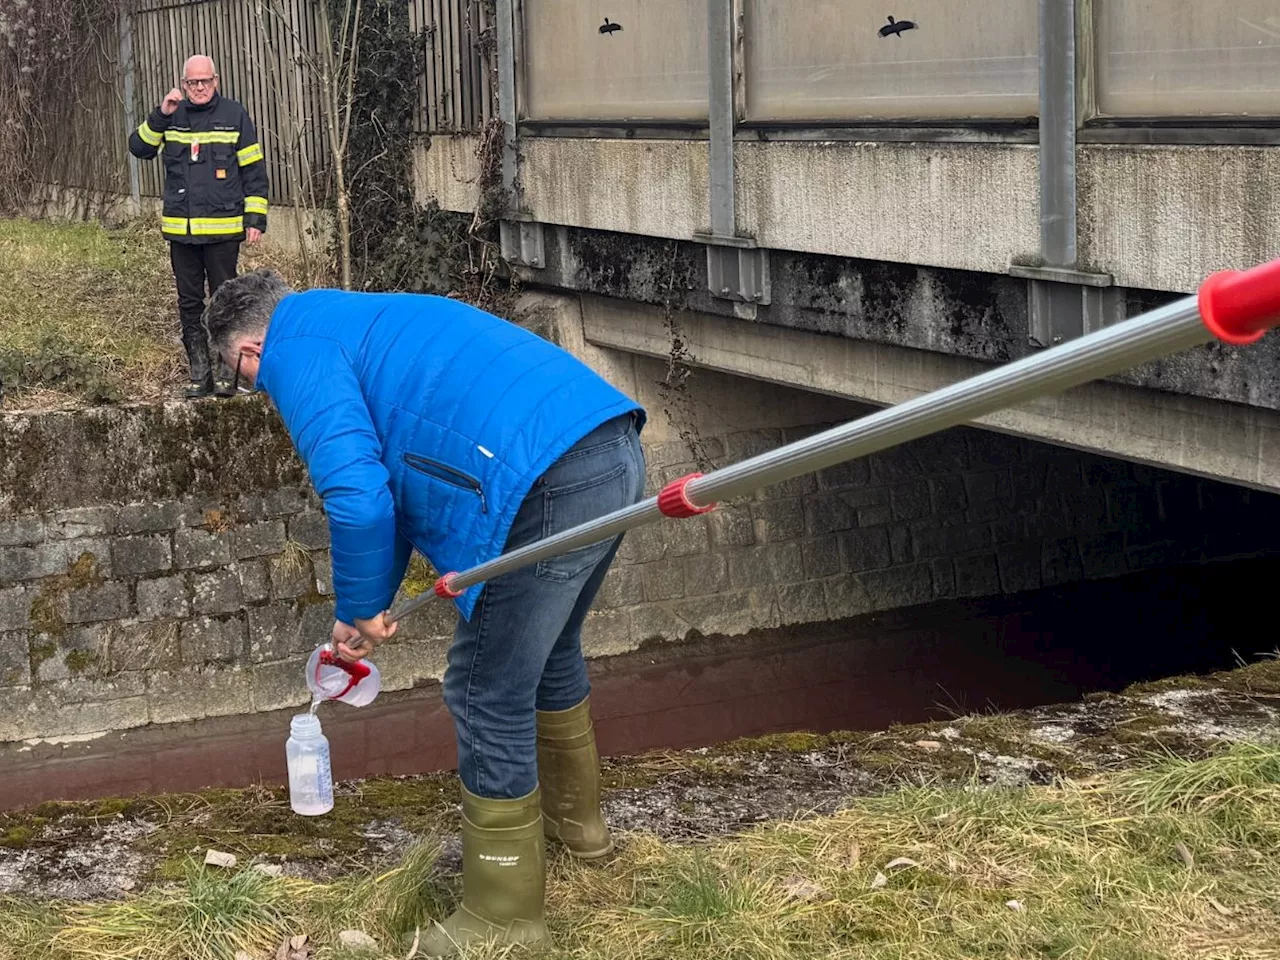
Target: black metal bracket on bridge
x=737, y=270
x=1064, y=303
x=520, y=241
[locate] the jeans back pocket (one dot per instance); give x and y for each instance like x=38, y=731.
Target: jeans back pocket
x=573, y=503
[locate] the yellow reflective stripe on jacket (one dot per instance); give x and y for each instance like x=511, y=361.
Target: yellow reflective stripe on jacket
x=149, y=136
x=173, y=225
x=203, y=136
x=216, y=226
x=255, y=205
x=250, y=154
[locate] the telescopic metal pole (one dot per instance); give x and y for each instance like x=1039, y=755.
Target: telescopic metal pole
x=1235, y=307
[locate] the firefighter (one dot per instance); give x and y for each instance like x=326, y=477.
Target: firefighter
x=215, y=198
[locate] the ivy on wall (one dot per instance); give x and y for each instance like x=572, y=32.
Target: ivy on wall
x=396, y=243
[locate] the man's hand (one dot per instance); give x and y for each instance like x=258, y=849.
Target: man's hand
x=253, y=234
x=170, y=102
x=358, y=641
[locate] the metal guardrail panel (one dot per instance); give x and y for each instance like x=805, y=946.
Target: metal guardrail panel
x=615, y=60
x=832, y=60
x=1196, y=58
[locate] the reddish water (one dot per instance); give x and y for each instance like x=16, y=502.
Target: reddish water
x=928, y=663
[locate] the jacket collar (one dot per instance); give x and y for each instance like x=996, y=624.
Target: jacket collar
x=201, y=108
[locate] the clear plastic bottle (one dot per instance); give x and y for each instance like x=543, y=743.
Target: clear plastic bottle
x=310, y=777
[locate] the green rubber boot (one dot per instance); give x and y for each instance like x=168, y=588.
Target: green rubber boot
x=569, y=778
x=503, y=878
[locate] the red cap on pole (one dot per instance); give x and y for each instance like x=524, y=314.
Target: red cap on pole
x=1239, y=307
x=444, y=587
x=673, y=499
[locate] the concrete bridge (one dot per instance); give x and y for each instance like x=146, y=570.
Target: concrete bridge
x=892, y=271
x=871, y=222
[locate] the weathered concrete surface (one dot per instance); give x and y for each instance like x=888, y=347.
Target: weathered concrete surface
x=448, y=169
x=964, y=313
x=1202, y=437
x=1164, y=218
x=965, y=206
x=1156, y=217
x=971, y=206
x=654, y=187
x=126, y=454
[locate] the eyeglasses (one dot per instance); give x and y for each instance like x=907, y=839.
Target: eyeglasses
x=235, y=380
x=200, y=81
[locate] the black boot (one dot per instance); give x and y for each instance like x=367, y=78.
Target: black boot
x=201, y=376
x=224, y=385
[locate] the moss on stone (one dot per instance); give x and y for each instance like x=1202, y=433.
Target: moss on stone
x=313, y=598
x=40, y=652
x=80, y=661
x=44, y=615
x=83, y=572
x=797, y=742
x=418, y=578
x=216, y=521
x=1169, y=683
x=1262, y=677
x=258, y=822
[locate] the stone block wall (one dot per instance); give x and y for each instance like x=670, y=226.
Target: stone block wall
x=162, y=564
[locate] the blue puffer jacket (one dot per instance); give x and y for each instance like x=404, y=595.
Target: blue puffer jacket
x=423, y=422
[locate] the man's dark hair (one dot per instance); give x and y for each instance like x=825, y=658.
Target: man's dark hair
x=242, y=306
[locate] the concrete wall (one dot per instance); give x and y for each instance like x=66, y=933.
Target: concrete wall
x=163, y=564
x=1157, y=217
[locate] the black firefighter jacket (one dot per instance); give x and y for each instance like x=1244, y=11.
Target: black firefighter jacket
x=215, y=180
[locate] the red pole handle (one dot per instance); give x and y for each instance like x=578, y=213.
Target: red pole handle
x=1239, y=307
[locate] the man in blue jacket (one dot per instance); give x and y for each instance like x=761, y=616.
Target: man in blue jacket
x=426, y=423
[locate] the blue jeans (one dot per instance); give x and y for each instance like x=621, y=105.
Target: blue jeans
x=522, y=649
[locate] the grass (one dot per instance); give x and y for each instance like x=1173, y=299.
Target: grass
x=210, y=917
x=89, y=313
x=1172, y=859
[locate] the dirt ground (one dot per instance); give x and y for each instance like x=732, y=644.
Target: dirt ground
x=108, y=849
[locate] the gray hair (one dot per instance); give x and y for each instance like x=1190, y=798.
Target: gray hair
x=242, y=307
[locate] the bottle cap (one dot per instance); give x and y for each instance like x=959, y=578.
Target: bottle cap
x=305, y=725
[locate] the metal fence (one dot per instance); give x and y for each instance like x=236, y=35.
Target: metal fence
x=823, y=63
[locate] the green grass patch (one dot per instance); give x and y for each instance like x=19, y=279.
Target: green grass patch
x=88, y=314
x=1174, y=859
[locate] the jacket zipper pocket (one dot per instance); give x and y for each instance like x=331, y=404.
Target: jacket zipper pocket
x=447, y=474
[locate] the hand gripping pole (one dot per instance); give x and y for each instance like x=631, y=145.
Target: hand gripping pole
x=1236, y=307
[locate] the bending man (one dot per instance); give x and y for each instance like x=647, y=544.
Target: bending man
x=427, y=423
